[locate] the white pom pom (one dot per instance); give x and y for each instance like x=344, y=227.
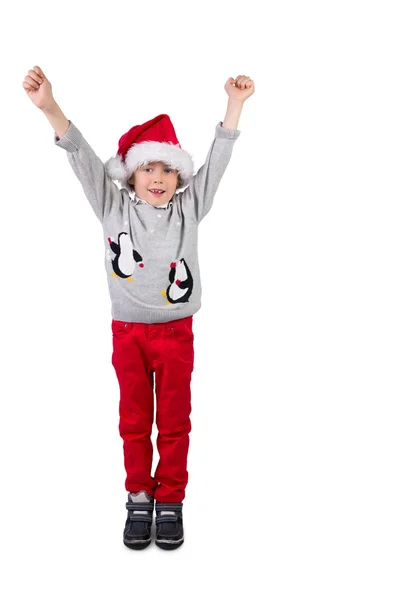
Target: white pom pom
x=116, y=168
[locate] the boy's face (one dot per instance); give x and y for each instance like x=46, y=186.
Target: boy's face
x=155, y=176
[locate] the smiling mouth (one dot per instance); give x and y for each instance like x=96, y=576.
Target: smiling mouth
x=157, y=192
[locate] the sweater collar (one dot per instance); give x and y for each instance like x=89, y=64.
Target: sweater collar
x=138, y=200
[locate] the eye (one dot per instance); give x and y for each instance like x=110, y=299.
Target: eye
x=166, y=169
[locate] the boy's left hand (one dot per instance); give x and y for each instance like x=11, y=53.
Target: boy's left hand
x=240, y=88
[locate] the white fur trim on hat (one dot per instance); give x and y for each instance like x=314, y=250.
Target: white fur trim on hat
x=116, y=169
x=145, y=152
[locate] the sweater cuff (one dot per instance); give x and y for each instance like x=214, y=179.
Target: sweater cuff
x=71, y=140
x=222, y=132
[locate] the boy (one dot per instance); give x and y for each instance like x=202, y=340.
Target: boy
x=150, y=237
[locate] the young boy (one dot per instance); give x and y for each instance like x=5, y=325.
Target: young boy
x=150, y=237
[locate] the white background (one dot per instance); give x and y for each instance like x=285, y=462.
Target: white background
x=294, y=455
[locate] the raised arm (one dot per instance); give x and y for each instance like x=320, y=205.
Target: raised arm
x=57, y=119
x=102, y=193
x=198, y=197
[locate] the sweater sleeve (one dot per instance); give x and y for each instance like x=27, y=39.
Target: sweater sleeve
x=198, y=197
x=103, y=194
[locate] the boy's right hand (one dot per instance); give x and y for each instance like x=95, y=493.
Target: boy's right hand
x=38, y=88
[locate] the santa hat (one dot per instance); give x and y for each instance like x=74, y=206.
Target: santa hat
x=153, y=141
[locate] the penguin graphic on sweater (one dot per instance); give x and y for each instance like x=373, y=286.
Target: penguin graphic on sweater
x=125, y=257
x=181, y=283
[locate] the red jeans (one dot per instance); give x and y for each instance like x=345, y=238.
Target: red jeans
x=140, y=351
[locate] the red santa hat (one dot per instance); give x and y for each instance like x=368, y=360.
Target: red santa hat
x=153, y=141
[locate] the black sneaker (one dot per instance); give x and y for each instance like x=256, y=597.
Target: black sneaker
x=137, y=532
x=169, y=523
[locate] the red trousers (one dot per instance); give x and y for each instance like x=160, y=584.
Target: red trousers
x=142, y=353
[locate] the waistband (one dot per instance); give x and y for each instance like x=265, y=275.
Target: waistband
x=153, y=316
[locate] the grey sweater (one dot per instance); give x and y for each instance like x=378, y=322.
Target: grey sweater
x=151, y=255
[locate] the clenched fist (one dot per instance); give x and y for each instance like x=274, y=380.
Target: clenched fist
x=240, y=88
x=38, y=88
